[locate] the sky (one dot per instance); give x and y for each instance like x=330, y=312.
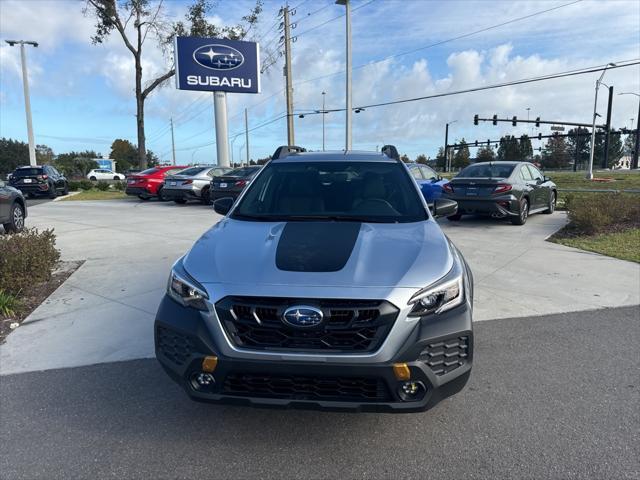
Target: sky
x=82, y=94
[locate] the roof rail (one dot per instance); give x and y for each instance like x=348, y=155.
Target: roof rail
x=284, y=150
x=391, y=151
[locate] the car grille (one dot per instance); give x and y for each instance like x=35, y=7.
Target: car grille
x=445, y=356
x=174, y=346
x=349, y=326
x=306, y=388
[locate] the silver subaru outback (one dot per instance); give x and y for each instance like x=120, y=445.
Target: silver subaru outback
x=192, y=183
x=327, y=285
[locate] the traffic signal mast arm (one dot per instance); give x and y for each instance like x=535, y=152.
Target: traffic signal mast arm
x=537, y=137
x=537, y=121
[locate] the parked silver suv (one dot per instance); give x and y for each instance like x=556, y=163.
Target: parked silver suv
x=192, y=183
x=328, y=284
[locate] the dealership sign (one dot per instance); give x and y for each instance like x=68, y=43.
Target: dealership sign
x=215, y=64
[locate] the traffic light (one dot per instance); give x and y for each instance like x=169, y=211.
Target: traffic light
x=476, y=143
x=514, y=121
x=475, y=119
x=488, y=142
x=538, y=122
x=539, y=136
x=495, y=119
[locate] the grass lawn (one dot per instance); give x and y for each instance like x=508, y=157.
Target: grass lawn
x=95, y=194
x=623, y=245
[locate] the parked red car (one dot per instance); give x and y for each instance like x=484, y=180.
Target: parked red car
x=148, y=183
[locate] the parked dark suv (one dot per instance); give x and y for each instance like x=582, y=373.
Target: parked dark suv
x=327, y=285
x=39, y=180
x=13, y=208
x=232, y=183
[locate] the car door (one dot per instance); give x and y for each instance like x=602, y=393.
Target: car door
x=58, y=178
x=541, y=190
x=5, y=202
x=529, y=186
x=432, y=185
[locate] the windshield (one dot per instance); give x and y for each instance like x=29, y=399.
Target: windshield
x=487, y=170
x=241, y=172
x=148, y=171
x=192, y=171
x=27, y=172
x=340, y=191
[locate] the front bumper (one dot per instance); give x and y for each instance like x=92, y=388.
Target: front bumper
x=183, y=339
x=502, y=206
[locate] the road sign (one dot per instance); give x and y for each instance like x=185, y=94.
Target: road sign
x=215, y=64
x=557, y=128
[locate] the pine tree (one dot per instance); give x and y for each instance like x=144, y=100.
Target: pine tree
x=485, y=154
x=461, y=158
x=555, y=153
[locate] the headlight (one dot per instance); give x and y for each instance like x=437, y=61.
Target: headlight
x=184, y=289
x=442, y=296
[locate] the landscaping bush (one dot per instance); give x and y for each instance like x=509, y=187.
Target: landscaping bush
x=75, y=185
x=26, y=258
x=86, y=184
x=119, y=186
x=595, y=213
x=102, y=186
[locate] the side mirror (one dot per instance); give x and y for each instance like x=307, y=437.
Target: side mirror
x=223, y=205
x=547, y=179
x=443, y=207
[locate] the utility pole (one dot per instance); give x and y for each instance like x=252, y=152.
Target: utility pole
x=636, y=147
x=27, y=99
x=324, y=112
x=288, y=76
x=605, y=157
x=593, y=126
x=173, y=143
x=348, y=110
x=220, y=115
x=446, y=147
x=246, y=133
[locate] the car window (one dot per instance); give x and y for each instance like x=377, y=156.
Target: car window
x=415, y=172
x=216, y=172
x=174, y=170
x=339, y=191
x=525, y=174
x=27, y=172
x=428, y=173
x=486, y=170
x=242, y=172
x=535, y=173
x=148, y=171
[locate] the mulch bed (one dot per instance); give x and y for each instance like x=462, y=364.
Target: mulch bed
x=36, y=295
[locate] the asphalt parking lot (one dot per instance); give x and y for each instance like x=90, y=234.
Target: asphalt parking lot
x=549, y=397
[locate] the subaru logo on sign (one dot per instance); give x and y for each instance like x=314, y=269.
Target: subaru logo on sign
x=302, y=316
x=218, y=57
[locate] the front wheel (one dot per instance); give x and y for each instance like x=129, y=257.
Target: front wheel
x=116, y=178
x=523, y=214
x=66, y=188
x=16, y=219
x=161, y=195
x=93, y=179
x=205, y=197
x=551, y=207
x=52, y=191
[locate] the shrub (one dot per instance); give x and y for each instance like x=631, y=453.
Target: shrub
x=26, y=258
x=75, y=185
x=119, y=186
x=102, y=186
x=8, y=304
x=86, y=184
x=594, y=213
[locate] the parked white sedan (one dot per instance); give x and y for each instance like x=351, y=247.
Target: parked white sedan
x=104, y=174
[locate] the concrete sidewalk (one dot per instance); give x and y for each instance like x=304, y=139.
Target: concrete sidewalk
x=105, y=310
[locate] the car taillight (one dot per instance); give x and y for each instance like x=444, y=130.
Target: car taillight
x=447, y=188
x=42, y=177
x=240, y=183
x=187, y=182
x=502, y=188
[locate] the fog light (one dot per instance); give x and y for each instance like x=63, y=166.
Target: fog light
x=205, y=379
x=411, y=391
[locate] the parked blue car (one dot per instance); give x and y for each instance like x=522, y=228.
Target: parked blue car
x=428, y=180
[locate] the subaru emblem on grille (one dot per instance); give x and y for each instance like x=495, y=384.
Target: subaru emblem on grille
x=302, y=316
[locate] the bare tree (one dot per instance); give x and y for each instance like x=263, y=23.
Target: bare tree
x=147, y=17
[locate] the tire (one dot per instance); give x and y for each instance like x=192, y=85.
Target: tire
x=205, y=198
x=53, y=193
x=552, y=203
x=93, y=179
x=116, y=177
x=160, y=194
x=66, y=188
x=181, y=201
x=143, y=197
x=523, y=214
x=455, y=218
x=16, y=219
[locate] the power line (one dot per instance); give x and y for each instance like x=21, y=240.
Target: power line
x=441, y=42
x=332, y=19
x=552, y=76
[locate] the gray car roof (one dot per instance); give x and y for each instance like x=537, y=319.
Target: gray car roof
x=335, y=156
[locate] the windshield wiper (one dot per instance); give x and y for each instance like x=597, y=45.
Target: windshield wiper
x=334, y=218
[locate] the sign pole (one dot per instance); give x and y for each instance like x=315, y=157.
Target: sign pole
x=246, y=133
x=220, y=115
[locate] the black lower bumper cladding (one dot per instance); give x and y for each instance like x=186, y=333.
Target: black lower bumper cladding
x=439, y=357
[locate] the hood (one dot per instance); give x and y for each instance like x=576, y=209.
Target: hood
x=320, y=254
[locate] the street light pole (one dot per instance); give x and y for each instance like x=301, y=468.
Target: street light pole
x=348, y=111
x=446, y=146
x=27, y=99
x=636, y=147
x=593, y=127
x=323, y=114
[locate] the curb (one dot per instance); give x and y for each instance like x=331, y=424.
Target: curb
x=70, y=194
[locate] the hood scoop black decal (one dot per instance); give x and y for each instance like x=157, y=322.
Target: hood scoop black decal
x=316, y=246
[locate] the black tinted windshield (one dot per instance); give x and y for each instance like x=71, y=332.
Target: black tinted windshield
x=340, y=191
x=191, y=171
x=27, y=172
x=494, y=170
x=148, y=171
x=241, y=172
